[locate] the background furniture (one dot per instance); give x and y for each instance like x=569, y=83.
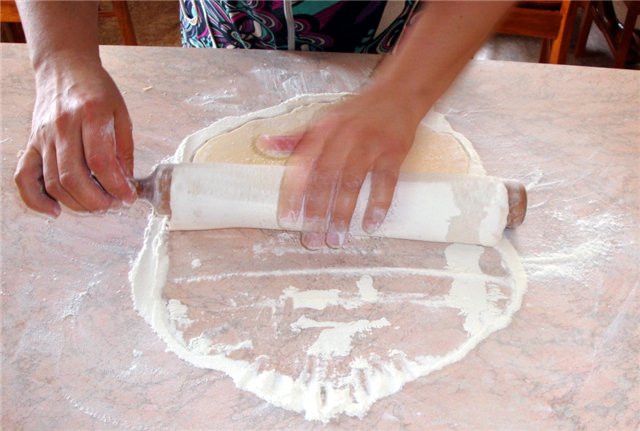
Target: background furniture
x=618, y=22
x=10, y=22
x=12, y=29
x=552, y=21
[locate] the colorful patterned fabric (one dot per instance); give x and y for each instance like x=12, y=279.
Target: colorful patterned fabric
x=340, y=26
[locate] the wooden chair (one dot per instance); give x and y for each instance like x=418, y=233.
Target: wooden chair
x=120, y=11
x=622, y=37
x=12, y=29
x=10, y=22
x=552, y=21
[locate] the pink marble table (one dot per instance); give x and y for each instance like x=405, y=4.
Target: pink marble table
x=75, y=355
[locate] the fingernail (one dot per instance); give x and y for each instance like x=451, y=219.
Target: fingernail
x=374, y=221
x=289, y=220
x=336, y=236
x=277, y=146
x=312, y=240
x=130, y=200
x=54, y=214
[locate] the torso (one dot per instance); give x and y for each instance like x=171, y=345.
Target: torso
x=341, y=26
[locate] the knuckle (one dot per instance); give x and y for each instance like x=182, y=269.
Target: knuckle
x=19, y=178
x=68, y=180
x=60, y=122
x=97, y=163
x=323, y=180
x=326, y=171
x=91, y=107
x=52, y=186
x=386, y=175
x=314, y=202
x=352, y=183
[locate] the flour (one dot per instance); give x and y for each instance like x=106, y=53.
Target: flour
x=485, y=303
x=336, y=341
x=316, y=299
x=318, y=397
x=287, y=243
x=178, y=313
x=593, y=237
x=321, y=299
x=367, y=292
x=478, y=304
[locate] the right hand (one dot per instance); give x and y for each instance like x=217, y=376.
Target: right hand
x=80, y=151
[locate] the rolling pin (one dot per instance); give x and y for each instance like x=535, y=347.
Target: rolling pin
x=428, y=207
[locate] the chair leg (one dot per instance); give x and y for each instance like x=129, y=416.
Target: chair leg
x=625, y=40
x=585, y=27
x=560, y=45
x=12, y=32
x=544, y=51
x=121, y=10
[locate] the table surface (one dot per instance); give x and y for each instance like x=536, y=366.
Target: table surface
x=75, y=355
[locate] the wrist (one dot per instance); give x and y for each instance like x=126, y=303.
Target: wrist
x=62, y=62
x=414, y=103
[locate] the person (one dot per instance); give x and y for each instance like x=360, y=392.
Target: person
x=80, y=151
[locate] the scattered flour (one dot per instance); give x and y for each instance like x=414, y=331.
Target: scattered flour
x=324, y=397
x=366, y=380
x=571, y=262
x=593, y=236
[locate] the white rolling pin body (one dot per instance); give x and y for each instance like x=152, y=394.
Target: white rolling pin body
x=427, y=207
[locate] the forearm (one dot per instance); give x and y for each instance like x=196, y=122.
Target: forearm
x=59, y=31
x=436, y=48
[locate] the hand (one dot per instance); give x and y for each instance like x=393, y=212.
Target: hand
x=370, y=132
x=80, y=151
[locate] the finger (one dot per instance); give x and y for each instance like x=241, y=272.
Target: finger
x=30, y=183
x=294, y=181
x=98, y=140
x=346, y=197
x=384, y=178
x=75, y=176
x=319, y=194
x=318, y=198
x=51, y=180
x=124, y=140
x=277, y=146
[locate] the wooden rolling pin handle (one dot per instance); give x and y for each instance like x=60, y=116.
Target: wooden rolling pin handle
x=517, y=195
x=156, y=188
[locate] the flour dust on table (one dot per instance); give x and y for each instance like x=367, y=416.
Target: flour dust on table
x=321, y=333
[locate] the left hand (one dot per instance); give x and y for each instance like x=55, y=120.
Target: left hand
x=370, y=132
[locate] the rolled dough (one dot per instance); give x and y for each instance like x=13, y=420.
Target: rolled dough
x=433, y=150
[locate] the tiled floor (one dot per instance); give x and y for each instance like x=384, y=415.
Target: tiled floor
x=157, y=23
